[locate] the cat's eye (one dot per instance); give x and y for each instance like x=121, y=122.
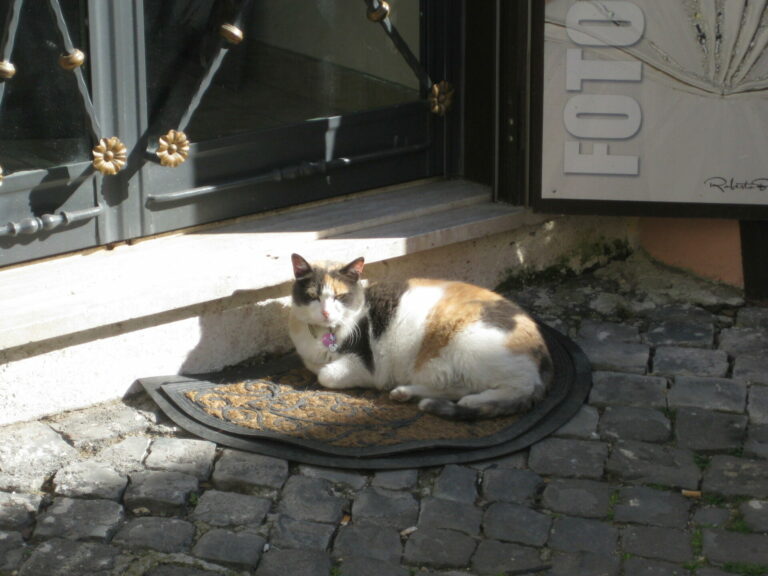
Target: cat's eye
x=344, y=298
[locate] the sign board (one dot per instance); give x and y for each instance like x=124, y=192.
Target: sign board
x=655, y=101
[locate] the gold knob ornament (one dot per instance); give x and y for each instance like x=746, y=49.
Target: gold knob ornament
x=231, y=33
x=441, y=98
x=173, y=148
x=7, y=70
x=109, y=156
x=73, y=60
x=378, y=14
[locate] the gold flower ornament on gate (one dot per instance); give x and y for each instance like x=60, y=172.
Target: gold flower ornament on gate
x=109, y=156
x=173, y=148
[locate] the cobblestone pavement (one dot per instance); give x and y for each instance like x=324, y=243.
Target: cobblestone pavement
x=664, y=471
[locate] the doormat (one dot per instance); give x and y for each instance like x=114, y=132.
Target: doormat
x=278, y=409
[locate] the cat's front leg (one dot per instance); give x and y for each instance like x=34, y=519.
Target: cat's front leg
x=345, y=372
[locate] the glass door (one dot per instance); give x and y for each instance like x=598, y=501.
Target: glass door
x=282, y=102
x=46, y=133
x=126, y=118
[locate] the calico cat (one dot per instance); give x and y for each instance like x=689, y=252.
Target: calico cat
x=463, y=351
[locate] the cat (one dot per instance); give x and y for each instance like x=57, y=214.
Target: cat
x=462, y=351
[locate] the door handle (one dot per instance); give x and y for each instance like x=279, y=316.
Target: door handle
x=49, y=222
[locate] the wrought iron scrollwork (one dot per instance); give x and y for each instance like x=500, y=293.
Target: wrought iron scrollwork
x=439, y=95
x=230, y=35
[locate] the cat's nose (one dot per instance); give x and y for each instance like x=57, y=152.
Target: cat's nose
x=325, y=313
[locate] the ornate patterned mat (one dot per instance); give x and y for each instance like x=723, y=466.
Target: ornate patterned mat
x=279, y=409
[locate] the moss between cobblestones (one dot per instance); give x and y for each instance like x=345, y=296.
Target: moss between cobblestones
x=746, y=569
x=697, y=547
x=738, y=524
x=612, y=502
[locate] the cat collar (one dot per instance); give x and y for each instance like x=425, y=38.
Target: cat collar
x=328, y=339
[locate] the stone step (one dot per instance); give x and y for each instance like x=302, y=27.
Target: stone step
x=85, y=291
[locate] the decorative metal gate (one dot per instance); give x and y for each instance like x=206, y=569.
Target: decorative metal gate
x=127, y=118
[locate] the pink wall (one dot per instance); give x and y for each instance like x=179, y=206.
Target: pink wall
x=708, y=248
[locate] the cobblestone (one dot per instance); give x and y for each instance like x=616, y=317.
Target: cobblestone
x=396, y=479
x=708, y=393
x=357, y=565
x=738, y=341
x=516, y=523
x=311, y=499
x=758, y=405
x=439, y=548
x=645, y=463
x=732, y=547
x=159, y=493
x=245, y=471
x=460, y=516
x=58, y=557
x=90, y=479
x=751, y=368
x=584, y=498
x=707, y=431
x=568, y=458
x=457, y=483
x=619, y=389
x=629, y=423
x=114, y=490
x=242, y=549
x=677, y=361
x=659, y=543
x=301, y=534
x=755, y=514
x=510, y=485
x=18, y=511
x=218, y=508
x=193, y=457
x=78, y=519
x=682, y=332
x=642, y=505
x=493, y=557
x=732, y=476
x=167, y=535
x=11, y=550
x=386, y=508
x=369, y=541
x=304, y=562
x=29, y=454
x=582, y=535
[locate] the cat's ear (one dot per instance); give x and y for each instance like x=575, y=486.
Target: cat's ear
x=301, y=268
x=353, y=270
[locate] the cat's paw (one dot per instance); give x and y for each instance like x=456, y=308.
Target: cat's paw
x=401, y=394
x=329, y=376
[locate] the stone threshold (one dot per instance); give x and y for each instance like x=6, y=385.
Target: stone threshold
x=94, y=289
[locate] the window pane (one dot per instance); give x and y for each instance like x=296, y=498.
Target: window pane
x=42, y=118
x=299, y=60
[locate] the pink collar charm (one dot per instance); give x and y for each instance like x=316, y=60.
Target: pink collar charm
x=329, y=341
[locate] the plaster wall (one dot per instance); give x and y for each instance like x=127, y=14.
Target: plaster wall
x=709, y=248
